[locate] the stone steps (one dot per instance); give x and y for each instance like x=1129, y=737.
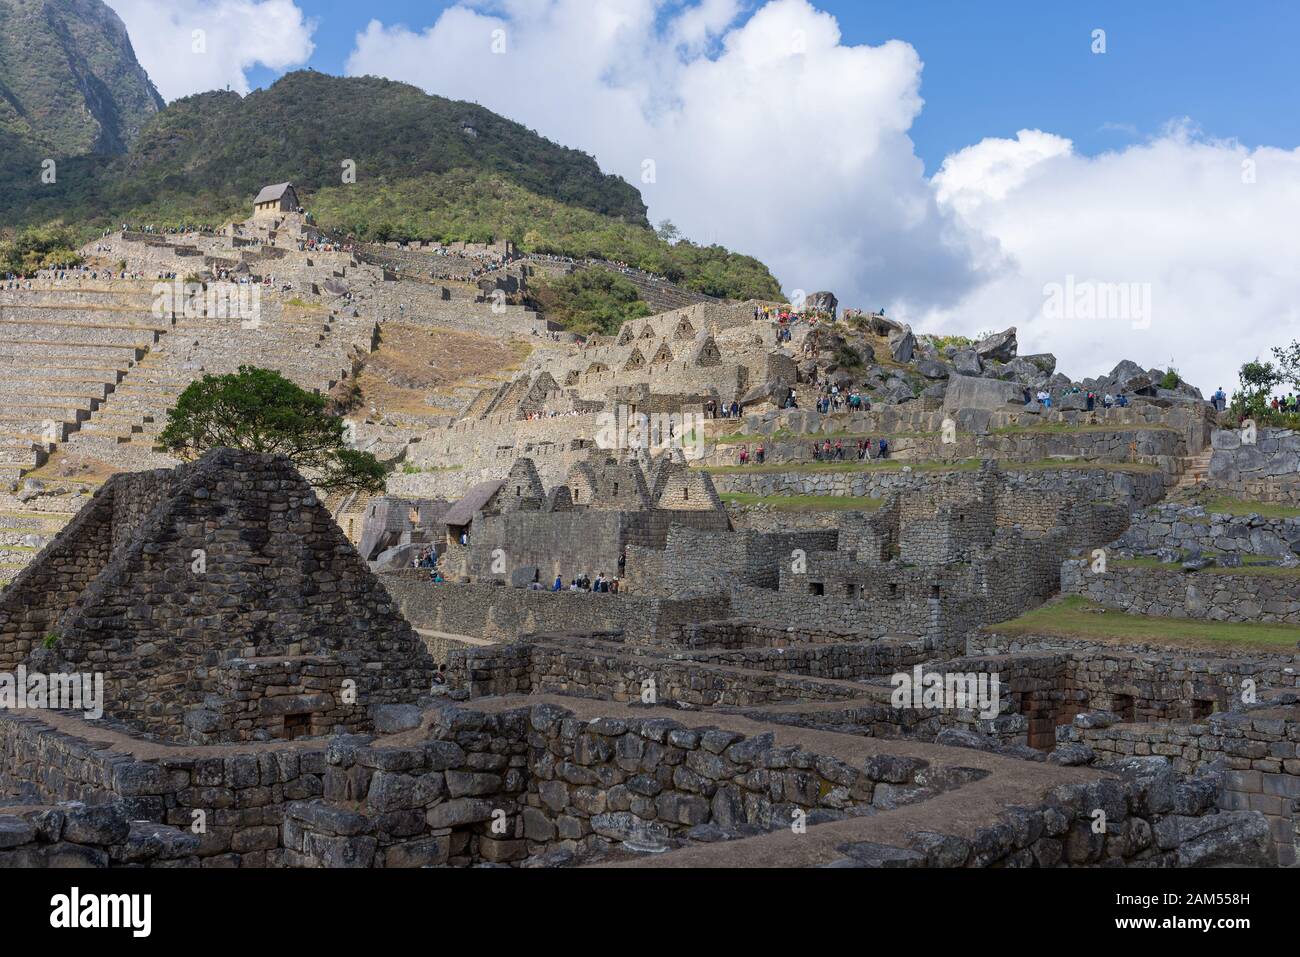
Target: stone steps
x=77, y=336
x=1195, y=469
x=35, y=522
x=69, y=357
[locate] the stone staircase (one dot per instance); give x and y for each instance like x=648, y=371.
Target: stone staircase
x=1195, y=469
x=64, y=351
x=124, y=430
x=26, y=527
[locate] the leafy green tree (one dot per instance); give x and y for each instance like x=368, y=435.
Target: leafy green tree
x=39, y=247
x=589, y=301
x=258, y=410
x=1258, y=379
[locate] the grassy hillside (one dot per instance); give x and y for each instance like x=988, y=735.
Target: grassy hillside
x=426, y=168
x=207, y=155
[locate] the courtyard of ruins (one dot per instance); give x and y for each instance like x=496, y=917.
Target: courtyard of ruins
x=1023, y=636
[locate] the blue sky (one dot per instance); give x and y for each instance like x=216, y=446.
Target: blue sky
x=1169, y=164
x=997, y=67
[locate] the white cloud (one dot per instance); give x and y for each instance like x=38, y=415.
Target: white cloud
x=192, y=46
x=770, y=136
x=1177, y=215
x=773, y=137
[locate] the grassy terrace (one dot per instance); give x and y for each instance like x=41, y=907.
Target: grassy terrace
x=1065, y=428
x=1075, y=617
x=1224, y=505
x=1251, y=565
x=804, y=503
x=894, y=465
x=785, y=435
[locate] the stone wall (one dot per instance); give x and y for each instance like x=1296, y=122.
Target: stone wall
x=1154, y=816
x=1134, y=488
x=1187, y=527
x=1266, y=471
x=71, y=834
x=503, y=613
x=1270, y=595
x=1260, y=749
x=694, y=561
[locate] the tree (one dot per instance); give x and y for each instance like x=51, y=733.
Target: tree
x=1288, y=358
x=668, y=232
x=1258, y=379
x=258, y=410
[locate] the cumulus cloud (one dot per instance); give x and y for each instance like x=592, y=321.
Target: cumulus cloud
x=764, y=131
x=767, y=134
x=192, y=46
x=1204, y=229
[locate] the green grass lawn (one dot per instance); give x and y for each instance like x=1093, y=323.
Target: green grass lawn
x=1224, y=505
x=785, y=435
x=849, y=465
x=804, y=503
x=1251, y=566
x=889, y=465
x=1076, y=617
x=1060, y=428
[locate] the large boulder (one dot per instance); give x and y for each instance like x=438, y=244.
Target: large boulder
x=881, y=326
x=822, y=302
x=967, y=362
x=969, y=392
x=396, y=558
x=932, y=369
x=902, y=344
x=999, y=347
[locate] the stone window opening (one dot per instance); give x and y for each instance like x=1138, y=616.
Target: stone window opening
x=1201, y=708
x=1124, y=706
x=817, y=588
x=850, y=591
x=893, y=590
x=934, y=591
x=296, y=726
x=686, y=495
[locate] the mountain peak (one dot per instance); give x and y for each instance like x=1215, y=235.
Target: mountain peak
x=69, y=80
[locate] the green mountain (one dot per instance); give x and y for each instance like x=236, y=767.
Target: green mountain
x=425, y=168
x=69, y=81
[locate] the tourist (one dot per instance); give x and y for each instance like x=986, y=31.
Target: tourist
x=559, y=584
x=761, y=453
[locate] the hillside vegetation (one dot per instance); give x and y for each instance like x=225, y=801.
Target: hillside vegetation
x=426, y=168
x=69, y=83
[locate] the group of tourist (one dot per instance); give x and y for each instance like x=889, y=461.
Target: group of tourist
x=549, y=414
x=723, y=410
x=427, y=558
x=584, y=582
x=832, y=399
x=865, y=450
x=323, y=246
x=1091, y=399
x=167, y=230
x=1288, y=404
x=760, y=455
